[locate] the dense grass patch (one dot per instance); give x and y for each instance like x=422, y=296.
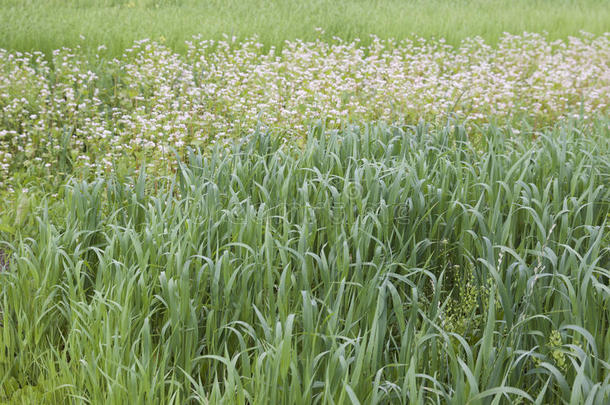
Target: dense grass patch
x=33, y=25
x=374, y=265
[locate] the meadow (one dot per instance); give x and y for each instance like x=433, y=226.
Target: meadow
x=75, y=114
x=34, y=25
x=304, y=202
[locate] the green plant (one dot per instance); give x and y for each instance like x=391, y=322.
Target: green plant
x=267, y=273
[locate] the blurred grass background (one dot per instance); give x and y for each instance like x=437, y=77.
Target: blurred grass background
x=34, y=25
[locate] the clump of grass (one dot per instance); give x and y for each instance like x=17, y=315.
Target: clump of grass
x=329, y=274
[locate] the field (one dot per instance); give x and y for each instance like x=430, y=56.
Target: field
x=34, y=25
x=334, y=203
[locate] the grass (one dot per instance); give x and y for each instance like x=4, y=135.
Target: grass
x=375, y=265
x=32, y=25
x=349, y=262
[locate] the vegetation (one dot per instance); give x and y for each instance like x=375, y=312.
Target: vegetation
x=73, y=115
x=34, y=25
x=373, y=265
x=305, y=202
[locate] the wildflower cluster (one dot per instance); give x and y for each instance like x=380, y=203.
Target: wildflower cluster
x=90, y=111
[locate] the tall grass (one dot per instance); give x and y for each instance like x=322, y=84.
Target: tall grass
x=374, y=265
x=32, y=25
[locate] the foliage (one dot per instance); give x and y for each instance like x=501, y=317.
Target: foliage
x=34, y=25
x=268, y=273
x=76, y=116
